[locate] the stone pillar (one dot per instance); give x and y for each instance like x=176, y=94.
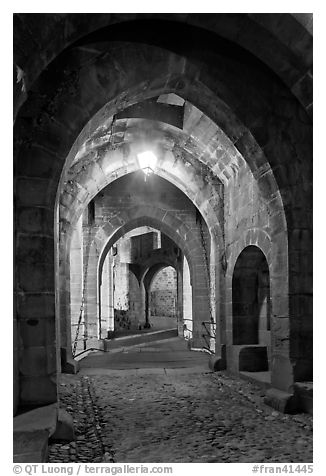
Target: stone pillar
x=91, y=256
x=106, y=298
x=180, y=300
x=76, y=280
x=142, y=315
x=15, y=366
x=147, y=308
x=35, y=348
x=110, y=326
x=134, y=301
x=200, y=304
x=187, y=300
x=301, y=303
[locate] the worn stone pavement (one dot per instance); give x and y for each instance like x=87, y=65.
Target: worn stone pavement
x=173, y=411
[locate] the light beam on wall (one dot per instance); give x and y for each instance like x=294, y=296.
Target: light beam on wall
x=147, y=162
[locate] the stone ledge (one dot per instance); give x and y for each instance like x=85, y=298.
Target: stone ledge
x=42, y=418
x=282, y=401
x=33, y=429
x=31, y=447
x=304, y=393
x=65, y=427
x=31, y=433
x=218, y=362
x=68, y=364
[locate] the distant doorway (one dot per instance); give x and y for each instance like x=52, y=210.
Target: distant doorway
x=163, y=299
x=252, y=309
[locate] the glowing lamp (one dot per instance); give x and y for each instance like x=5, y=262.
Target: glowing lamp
x=147, y=162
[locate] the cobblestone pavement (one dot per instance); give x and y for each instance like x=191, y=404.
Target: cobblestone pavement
x=187, y=415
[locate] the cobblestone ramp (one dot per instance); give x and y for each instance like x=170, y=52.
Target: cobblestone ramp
x=77, y=397
x=181, y=417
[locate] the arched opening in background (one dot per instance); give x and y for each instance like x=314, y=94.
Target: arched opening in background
x=121, y=301
x=163, y=299
x=251, y=309
x=187, y=301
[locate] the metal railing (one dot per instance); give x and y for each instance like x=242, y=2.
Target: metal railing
x=210, y=333
x=82, y=305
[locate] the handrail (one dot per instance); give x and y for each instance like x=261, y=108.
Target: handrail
x=82, y=305
x=90, y=349
x=208, y=331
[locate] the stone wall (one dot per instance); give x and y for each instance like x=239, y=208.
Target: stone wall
x=110, y=208
x=60, y=91
x=253, y=220
x=163, y=293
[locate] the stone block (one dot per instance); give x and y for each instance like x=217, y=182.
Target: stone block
x=64, y=427
x=217, y=363
x=15, y=369
x=55, y=137
x=303, y=89
x=281, y=327
x=304, y=394
x=35, y=220
x=282, y=401
x=29, y=449
x=42, y=418
x=37, y=332
x=37, y=162
x=38, y=390
x=34, y=249
x=301, y=306
x=280, y=303
x=253, y=359
x=282, y=372
x=68, y=364
x=301, y=260
x=36, y=277
x=38, y=361
x=301, y=283
x=279, y=263
x=281, y=343
x=303, y=368
x=33, y=192
x=277, y=223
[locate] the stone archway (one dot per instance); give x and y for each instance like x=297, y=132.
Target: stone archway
x=43, y=144
x=163, y=288
x=190, y=248
x=251, y=309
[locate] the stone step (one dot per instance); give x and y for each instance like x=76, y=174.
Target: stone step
x=304, y=394
x=31, y=447
x=33, y=428
x=263, y=379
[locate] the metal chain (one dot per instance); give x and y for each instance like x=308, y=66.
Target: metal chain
x=82, y=306
x=207, y=274
x=209, y=289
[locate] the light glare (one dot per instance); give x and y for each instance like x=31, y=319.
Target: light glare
x=147, y=161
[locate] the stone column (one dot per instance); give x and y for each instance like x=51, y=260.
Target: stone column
x=200, y=304
x=91, y=307
x=76, y=279
x=187, y=299
x=35, y=342
x=180, y=299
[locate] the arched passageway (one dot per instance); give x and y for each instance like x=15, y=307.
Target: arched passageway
x=231, y=125
x=128, y=263
x=250, y=297
x=252, y=309
x=163, y=297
